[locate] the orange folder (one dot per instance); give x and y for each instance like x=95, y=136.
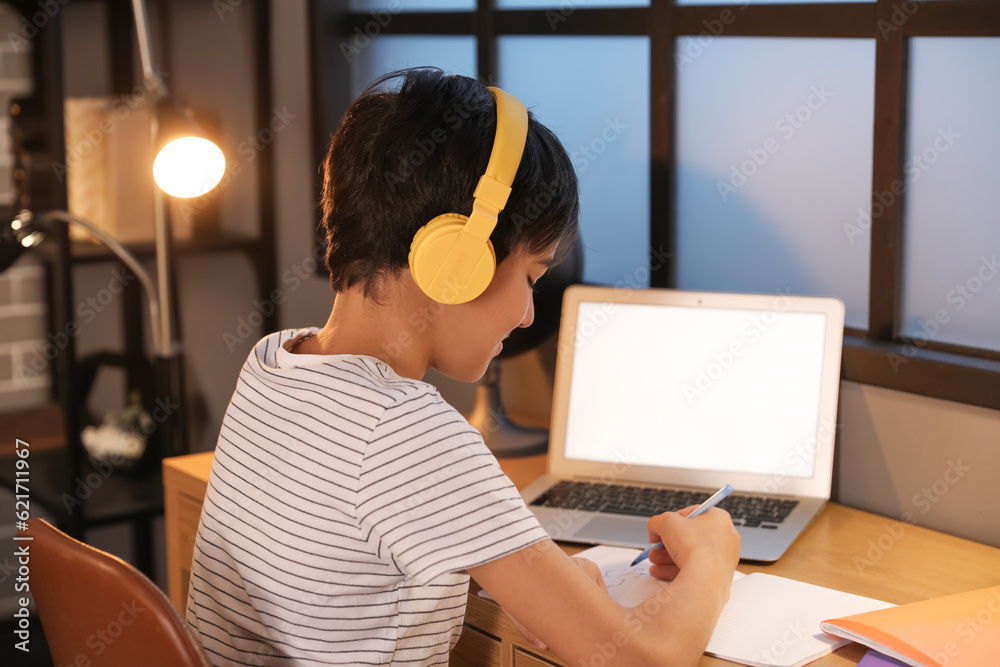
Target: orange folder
x=960, y=630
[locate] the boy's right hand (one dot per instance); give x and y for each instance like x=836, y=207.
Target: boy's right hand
x=710, y=540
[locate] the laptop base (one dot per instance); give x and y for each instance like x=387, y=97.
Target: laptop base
x=757, y=543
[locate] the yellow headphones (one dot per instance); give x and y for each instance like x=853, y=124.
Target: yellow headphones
x=451, y=257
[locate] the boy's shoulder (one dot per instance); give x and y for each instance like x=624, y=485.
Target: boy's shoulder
x=361, y=375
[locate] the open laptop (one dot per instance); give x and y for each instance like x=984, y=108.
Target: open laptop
x=664, y=396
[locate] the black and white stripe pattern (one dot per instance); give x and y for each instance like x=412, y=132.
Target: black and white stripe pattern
x=344, y=505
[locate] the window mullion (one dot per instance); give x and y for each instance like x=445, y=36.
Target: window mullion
x=662, y=156
x=486, y=42
x=887, y=183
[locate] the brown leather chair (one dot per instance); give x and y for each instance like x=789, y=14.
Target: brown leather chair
x=97, y=606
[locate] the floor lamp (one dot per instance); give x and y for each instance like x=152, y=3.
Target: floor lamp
x=186, y=165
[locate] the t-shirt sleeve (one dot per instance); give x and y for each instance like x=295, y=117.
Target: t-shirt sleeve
x=432, y=498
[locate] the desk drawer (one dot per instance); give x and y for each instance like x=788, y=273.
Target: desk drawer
x=188, y=515
x=524, y=659
x=476, y=649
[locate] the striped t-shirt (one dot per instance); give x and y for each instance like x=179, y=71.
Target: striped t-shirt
x=344, y=505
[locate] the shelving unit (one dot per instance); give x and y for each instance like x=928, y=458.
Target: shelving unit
x=57, y=474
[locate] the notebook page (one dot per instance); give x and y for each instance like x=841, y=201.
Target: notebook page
x=772, y=620
x=769, y=621
x=628, y=585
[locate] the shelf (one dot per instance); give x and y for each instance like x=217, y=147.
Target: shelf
x=87, y=252
x=41, y=427
x=119, y=496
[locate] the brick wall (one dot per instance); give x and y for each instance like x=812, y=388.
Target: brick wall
x=25, y=376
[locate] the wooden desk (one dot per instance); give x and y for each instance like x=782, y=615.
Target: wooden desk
x=185, y=482
x=843, y=548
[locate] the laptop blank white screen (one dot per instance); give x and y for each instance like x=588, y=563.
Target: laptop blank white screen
x=698, y=388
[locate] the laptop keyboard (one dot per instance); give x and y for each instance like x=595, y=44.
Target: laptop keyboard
x=747, y=511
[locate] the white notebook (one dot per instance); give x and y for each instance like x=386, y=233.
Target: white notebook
x=769, y=621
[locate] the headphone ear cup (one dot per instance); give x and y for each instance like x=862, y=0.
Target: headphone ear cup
x=429, y=253
x=432, y=229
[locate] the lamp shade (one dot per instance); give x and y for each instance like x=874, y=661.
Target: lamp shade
x=187, y=164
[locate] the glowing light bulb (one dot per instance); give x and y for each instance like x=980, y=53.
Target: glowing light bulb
x=189, y=167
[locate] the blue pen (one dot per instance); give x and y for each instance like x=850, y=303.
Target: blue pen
x=714, y=500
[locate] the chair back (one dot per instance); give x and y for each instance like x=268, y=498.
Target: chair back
x=97, y=606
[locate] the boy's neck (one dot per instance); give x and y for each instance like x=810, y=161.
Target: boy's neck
x=359, y=326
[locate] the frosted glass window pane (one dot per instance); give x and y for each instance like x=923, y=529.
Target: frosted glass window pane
x=394, y=6
x=593, y=93
x=566, y=8
x=774, y=154
x=951, y=279
x=455, y=54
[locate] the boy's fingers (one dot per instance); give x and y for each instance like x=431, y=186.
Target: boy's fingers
x=528, y=634
x=660, y=557
x=656, y=526
x=667, y=572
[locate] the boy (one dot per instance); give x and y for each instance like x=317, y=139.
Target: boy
x=348, y=503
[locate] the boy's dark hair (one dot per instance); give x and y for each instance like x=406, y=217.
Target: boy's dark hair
x=402, y=157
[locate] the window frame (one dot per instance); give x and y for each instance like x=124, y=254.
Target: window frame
x=880, y=355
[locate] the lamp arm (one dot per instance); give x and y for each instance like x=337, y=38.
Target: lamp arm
x=128, y=258
x=164, y=323
x=153, y=80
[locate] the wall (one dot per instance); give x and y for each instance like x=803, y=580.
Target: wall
x=927, y=461
x=892, y=445
x=23, y=311
x=204, y=54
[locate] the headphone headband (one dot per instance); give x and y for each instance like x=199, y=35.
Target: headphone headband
x=451, y=257
x=494, y=186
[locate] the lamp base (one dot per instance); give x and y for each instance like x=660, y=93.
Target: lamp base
x=503, y=437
